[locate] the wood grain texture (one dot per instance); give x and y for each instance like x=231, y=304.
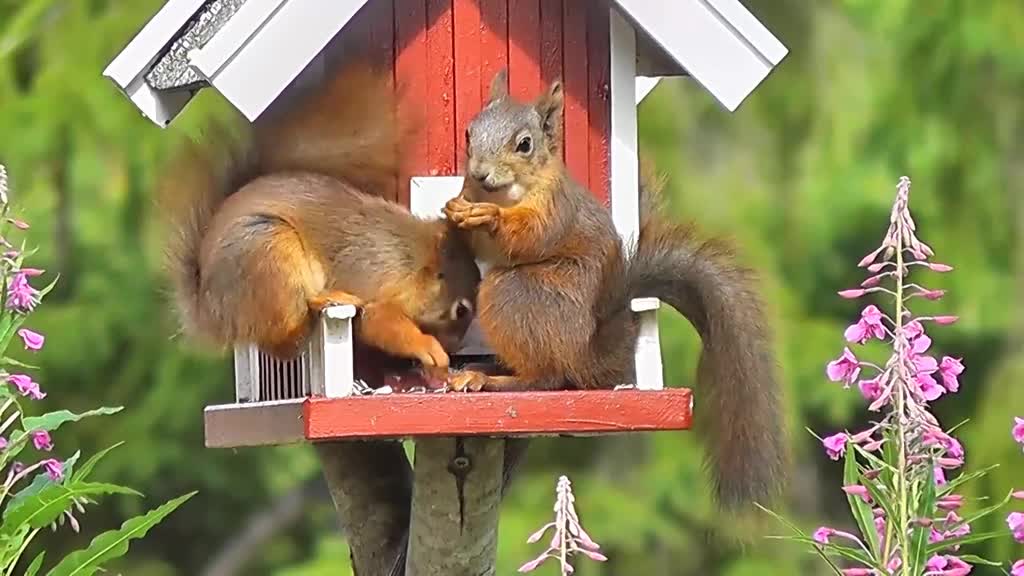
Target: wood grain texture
x=524, y=77
x=468, y=92
x=440, y=103
x=411, y=75
x=600, y=102
x=371, y=488
x=453, y=530
x=254, y=424
x=497, y=414
x=577, y=91
x=493, y=42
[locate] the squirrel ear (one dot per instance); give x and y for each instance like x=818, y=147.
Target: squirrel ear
x=499, y=85
x=550, y=106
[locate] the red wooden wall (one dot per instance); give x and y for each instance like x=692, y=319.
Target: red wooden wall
x=445, y=53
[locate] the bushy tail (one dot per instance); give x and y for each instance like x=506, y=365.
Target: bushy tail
x=738, y=399
x=349, y=128
x=194, y=185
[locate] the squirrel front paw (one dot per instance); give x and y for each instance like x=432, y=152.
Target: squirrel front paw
x=468, y=381
x=432, y=356
x=466, y=214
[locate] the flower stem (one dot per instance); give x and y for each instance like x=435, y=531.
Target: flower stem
x=24, y=545
x=903, y=520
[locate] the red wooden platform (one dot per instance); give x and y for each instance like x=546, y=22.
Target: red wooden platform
x=449, y=414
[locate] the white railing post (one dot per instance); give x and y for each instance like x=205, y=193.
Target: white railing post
x=649, y=375
x=331, y=365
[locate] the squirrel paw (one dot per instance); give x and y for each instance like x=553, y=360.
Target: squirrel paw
x=466, y=214
x=325, y=300
x=431, y=354
x=468, y=381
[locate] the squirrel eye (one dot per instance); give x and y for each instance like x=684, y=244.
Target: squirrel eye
x=525, y=146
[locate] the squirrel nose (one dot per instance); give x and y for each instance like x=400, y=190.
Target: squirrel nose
x=462, y=309
x=480, y=175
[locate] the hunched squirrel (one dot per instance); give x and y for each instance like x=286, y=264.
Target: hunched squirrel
x=267, y=232
x=554, y=302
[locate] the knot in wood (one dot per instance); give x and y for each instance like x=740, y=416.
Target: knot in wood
x=460, y=465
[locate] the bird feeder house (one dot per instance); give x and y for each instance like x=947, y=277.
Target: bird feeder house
x=608, y=53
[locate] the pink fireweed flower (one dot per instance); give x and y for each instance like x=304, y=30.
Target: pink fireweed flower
x=19, y=224
x=873, y=446
x=1018, y=568
x=3, y=443
x=31, y=272
x=1017, y=494
x=858, y=490
x=869, y=326
x=951, y=502
x=41, y=440
x=936, y=267
x=1015, y=520
x=54, y=469
x=931, y=294
x=844, y=369
x=824, y=534
x=945, y=320
x=852, y=293
x=859, y=572
x=871, y=389
x=949, y=369
x=946, y=566
x=32, y=340
x=835, y=445
x=928, y=387
x=1018, y=430
x=26, y=386
x=955, y=526
x=21, y=296
x=940, y=476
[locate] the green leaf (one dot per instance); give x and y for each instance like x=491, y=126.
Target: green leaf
x=86, y=468
x=965, y=478
x=986, y=511
x=51, y=501
x=919, y=534
x=972, y=559
x=969, y=539
x=36, y=564
x=860, y=509
x=54, y=420
x=19, y=364
x=44, y=291
x=803, y=537
x=114, y=543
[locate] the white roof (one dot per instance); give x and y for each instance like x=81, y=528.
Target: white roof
x=257, y=47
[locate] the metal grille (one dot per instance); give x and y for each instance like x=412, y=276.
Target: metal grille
x=282, y=380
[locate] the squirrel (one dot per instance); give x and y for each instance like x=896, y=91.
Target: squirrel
x=270, y=229
x=554, y=301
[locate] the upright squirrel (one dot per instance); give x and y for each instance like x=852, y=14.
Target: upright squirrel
x=554, y=303
x=268, y=233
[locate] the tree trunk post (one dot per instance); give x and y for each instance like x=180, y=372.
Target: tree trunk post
x=371, y=486
x=456, y=495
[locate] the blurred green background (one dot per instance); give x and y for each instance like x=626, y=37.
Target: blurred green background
x=802, y=176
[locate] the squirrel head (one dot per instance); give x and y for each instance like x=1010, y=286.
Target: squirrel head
x=447, y=287
x=511, y=145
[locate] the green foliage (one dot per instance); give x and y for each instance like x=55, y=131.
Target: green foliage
x=799, y=176
x=114, y=543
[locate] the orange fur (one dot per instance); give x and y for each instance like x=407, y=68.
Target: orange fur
x=267, y=231
x=554, y=304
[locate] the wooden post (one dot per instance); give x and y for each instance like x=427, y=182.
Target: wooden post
x=456, y=494
x=371, y=486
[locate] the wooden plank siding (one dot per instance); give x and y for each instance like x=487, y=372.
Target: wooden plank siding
x=444, y=54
